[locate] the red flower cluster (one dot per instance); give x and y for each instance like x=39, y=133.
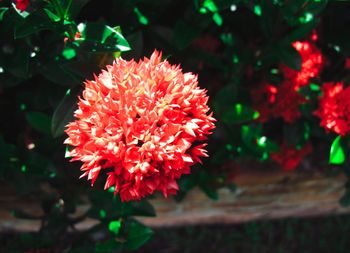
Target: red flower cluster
x=283, y=100
x=22, y=5
x=289, y=158
x=311, y=64
x=139, y=122
x=334, y=108
x=273, y=101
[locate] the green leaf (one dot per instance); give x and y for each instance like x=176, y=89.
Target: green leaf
x=142, y=18
x=289, y=56
x=36, y=22
x=109, y=246
x=52, y=16
x=74, y=8
x=225, y=97
x=113, y=208
x=300, y=32
x=39, y=121
x=210, y=5
x=255, y=141
x=3, y=10
x=210, y=192
x=257, y=10
x=336, y=155
x=239, y=113
x=66, y=73
x=217, y=19
x=138, y=208
x=114, y=227
x=138, y=235
x=69, y=53
x=267, y=145
x=98, y=37
x=269, y=18
x=64, y=113
x=205, y=180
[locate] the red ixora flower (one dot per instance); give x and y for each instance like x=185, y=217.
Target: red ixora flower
x=284, y=100
x=272, y=101
x=311, y=64
x=140, y=123
x=334, y=108
x=289, y=157
x=22, y=5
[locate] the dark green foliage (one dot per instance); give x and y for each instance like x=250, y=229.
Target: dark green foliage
x=49, y=50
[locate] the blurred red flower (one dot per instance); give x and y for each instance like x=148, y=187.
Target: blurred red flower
x=334, y=108
x=311, y=64
x=22, y=5
x=140, y=122
x=289, y=157
x=272, y=101
x=284, y=100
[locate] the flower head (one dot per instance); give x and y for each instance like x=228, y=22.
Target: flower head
x=311, y=64
x=140, y=123
x=22, y=5
x=272, y=101
x=334, y=108
x=284, y=100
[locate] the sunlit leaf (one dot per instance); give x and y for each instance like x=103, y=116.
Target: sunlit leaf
x=257, y=10
x=69, y=53
x=217, y=19
x=142, y=19
x=315, y=87
x=336, y=155
x=97, y=37
x=210, y=5
x=114, y=227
